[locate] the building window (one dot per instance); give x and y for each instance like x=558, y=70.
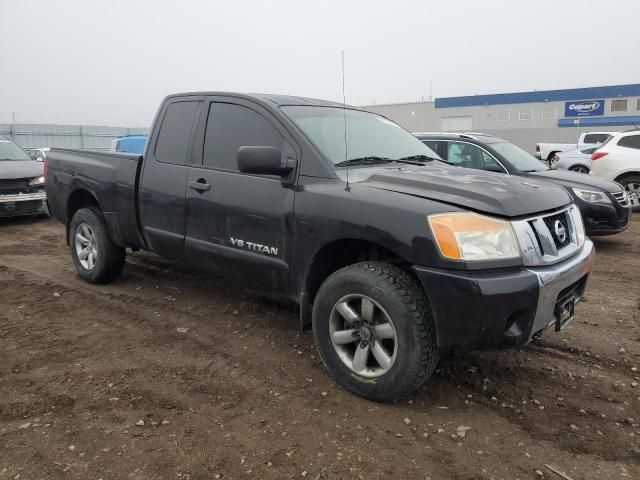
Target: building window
x=456, y=123
x=503, y=116
x=525, y=115
x=619, y=105
x=548, y=114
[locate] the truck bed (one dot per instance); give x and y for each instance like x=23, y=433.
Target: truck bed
x=111, y=178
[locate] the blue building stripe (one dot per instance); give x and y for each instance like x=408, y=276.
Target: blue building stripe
x=541, y=96
x=600, y=121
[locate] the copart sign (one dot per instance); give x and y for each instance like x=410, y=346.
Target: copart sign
x=584, y=108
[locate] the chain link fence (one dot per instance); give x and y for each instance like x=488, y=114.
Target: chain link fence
x=84, y=137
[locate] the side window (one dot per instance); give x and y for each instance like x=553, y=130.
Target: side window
x=466, y=155
x=433, y=145
x=454, y=153
x=630, y=141
x=595, y=137
x=490, y=163
x=230, y=127
x=175, y=133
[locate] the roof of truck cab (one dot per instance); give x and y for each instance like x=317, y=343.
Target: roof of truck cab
x=273, y=99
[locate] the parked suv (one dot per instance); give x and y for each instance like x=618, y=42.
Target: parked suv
x=604, y=204
x=619, y=160
x=391, y=254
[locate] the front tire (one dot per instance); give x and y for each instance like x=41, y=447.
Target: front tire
x=632, y=186
x=374, y=331
x=97, y=259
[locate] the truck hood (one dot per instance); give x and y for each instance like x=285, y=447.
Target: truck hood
x=493, y=193
x=573, y=179
x=10, y=169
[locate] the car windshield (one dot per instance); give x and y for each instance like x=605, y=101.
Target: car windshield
x=11, y=151
x=370, y=139
x=519, y=158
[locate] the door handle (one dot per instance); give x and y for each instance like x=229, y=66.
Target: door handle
x=201, y=185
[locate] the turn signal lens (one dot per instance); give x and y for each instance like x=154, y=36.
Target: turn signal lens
x=473, y=237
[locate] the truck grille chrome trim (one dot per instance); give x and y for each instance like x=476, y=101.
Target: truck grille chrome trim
x=22, y=197
x=622, y=198
x=550, y=238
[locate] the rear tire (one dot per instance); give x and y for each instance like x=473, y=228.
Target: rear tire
x=579, y=169
x=97, y=259
x=390, y=319
x=632, y=185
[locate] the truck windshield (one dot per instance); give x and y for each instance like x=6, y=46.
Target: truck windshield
x=11, y=151
x=368, y=136
x=520, y=159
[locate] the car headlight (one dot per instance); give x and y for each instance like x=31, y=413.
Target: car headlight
x=37, y=181
x=591, y=196
x=473, y=237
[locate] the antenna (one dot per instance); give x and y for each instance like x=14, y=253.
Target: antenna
x=344, y=117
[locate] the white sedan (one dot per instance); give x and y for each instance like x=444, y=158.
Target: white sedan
x=576, y=160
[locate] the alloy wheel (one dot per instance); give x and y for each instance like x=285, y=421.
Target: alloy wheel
x=633, y=190
x=363, y=335
x=86, y=246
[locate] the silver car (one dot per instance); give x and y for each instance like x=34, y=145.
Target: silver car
x=577, y=160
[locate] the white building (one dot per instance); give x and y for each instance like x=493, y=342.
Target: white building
x=525, y=118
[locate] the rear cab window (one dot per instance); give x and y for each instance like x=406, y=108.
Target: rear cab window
x=596, y=137
x=175, y=132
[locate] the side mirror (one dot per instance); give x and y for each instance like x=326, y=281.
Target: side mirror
x=264, y=161
x=492, y=167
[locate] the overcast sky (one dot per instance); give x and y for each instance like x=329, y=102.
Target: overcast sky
x=111, y=62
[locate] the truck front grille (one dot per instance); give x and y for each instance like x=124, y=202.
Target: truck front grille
x=559, y=229
x=547, y=239
x=15, y=185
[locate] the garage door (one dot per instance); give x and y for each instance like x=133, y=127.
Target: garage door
x=456, y=123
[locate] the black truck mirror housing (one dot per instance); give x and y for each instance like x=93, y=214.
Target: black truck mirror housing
x=263, y=161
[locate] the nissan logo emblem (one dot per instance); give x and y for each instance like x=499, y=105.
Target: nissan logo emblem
x=560, y=231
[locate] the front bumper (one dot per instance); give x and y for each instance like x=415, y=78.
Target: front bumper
x=23, y=204
x=604, y=219
x=498, y=309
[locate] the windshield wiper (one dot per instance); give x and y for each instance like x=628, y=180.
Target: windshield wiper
x=369, y=160
x=426, y=158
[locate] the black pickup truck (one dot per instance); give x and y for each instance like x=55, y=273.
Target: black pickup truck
x=391, y=254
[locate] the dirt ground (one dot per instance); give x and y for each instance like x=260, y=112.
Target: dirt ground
x=169, y=373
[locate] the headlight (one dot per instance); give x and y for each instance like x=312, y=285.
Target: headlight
x=37, y=181
x=590, y=196
x=473, y=237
